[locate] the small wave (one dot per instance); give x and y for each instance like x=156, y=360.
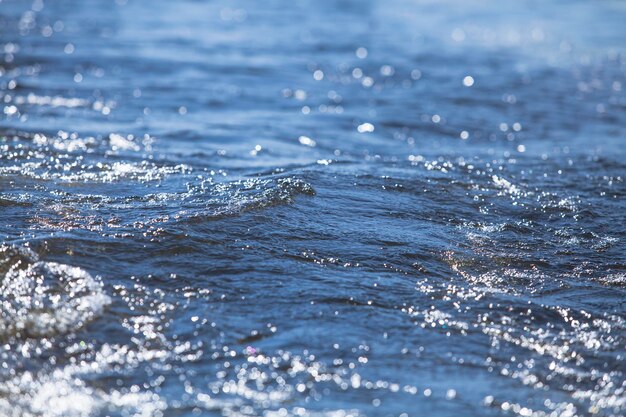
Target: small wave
x=42, y=299
x=241, y=196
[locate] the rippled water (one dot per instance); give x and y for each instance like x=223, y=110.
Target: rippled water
x=331, y=208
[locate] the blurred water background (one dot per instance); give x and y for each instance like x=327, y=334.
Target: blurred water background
x=325, y=208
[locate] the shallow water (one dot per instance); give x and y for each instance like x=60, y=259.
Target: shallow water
x=332, y=208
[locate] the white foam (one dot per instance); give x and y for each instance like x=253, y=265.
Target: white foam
x=45, y=298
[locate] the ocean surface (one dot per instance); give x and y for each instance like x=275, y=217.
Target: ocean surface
x=312, y=208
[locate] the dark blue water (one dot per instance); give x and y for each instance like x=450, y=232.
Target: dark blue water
x=312, y=208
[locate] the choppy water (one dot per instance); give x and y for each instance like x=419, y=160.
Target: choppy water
x=331, y=208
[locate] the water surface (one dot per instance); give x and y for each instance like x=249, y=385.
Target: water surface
x=329, y=208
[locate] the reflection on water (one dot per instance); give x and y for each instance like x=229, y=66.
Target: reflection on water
x=335, y=208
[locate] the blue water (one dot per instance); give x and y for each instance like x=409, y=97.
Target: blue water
x=314, y=208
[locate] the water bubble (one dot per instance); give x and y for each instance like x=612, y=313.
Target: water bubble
x=365, y=128
x=367, y=82
x=307, y=141
x=361, y=53
x=458, y=35
x=387, y=70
